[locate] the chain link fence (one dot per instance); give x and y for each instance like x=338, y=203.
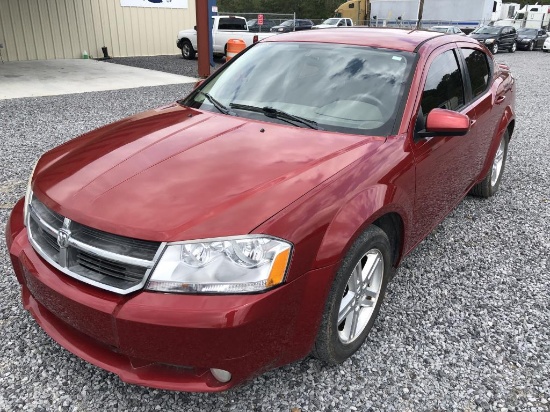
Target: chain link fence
x=270, y=19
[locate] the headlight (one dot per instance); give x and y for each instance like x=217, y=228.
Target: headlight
x=281, y=29
x=28, y=195
x=489, y=41
x=228, y=265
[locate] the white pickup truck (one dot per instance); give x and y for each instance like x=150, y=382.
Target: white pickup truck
x=223, y=29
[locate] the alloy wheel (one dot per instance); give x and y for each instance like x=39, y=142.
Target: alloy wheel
x=360, y=296
x=497, y=163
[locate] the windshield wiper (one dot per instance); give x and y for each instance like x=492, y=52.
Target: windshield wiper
x=220, y=106
x=277, y=114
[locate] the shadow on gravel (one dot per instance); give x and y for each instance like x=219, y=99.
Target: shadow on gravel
x=174, y=64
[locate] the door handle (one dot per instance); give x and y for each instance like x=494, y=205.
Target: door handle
x=500, y=99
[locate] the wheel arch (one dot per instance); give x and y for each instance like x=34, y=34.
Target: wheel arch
x=380, y=205
x=392, y=224
x=180, y=42
x=511, y=127
x=507, y=124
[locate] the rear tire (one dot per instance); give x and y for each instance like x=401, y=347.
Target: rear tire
x=355, y=297
x=490, y=184
x=187, y=50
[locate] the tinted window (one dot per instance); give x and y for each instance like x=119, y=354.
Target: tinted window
x=351, y=5
x=487, y=30
x=527, y=31
x=443, y=87
x=232, y=24
x=478, y=69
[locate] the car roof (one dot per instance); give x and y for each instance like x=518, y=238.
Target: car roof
x=398, y=39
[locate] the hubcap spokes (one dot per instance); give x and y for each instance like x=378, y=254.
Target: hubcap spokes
x=360, y=297
x=497, y=163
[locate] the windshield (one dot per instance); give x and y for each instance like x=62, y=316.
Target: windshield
x=331, y=22
x=532, y=32
x=439, y=29
x=288, y=23
x=487, y=30
x=348, y=89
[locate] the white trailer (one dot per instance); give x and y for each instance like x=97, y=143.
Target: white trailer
x=531, y=17
x=466, y=14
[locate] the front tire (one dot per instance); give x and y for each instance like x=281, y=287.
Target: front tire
x=531, y=46
x=355, y=297
x=490, y=184
x=187, y=50
x=513, y=48
x=494, y=48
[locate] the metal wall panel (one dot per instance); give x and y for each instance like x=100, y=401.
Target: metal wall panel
x=63, y=29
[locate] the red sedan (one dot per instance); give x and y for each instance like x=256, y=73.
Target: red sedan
x=259, y=219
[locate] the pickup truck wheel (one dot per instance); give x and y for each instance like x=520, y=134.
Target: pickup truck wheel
x=512, y=48
x=531, y=46
x=489, y=185
x=187, y=50
x=494, y=48
x=355, y=297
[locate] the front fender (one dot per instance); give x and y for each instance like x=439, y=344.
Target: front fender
x=507, y=118
x=357, y=214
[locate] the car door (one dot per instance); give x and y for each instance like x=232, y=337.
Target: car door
x=479, y=69
x=542, y=35
x=444, y=166
x=505, y=38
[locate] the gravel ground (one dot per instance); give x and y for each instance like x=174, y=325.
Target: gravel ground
x=465, y=325
x=169, y=63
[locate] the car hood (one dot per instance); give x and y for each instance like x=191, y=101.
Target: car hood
x=176, y=173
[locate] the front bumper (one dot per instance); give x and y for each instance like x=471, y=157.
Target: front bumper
x=170, y=341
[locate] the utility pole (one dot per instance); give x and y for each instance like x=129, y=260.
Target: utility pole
x=203, y=28
x=420, y=12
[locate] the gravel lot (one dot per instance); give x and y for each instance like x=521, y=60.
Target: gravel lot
x=465, y=325
x=170, y=64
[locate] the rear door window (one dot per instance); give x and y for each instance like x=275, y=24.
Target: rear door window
x=478, y=70
x=230, y=23
x=444, y=88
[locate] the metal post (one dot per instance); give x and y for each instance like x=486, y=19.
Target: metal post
x=294, y=28
x=203, y=26
x=420, y=13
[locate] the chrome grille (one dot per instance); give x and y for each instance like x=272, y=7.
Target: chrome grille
x=116, y=263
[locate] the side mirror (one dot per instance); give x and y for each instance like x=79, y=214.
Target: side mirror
x=441, y=122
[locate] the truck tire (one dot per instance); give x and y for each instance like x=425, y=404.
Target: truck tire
x=187, y=50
